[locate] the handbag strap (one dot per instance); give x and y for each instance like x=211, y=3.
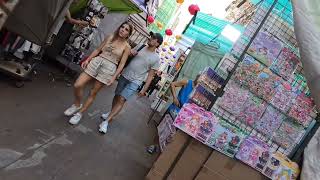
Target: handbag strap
x=141, y=47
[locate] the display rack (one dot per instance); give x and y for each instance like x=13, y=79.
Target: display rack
x=275, y=18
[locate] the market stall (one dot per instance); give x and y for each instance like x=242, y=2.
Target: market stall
x=28, y=25
x=265, y=109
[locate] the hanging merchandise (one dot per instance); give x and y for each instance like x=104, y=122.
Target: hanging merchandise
x=269, y=122
x=240, y=12
x=247, y=71
x=288, y=133
x=285, y=64
x=202, y=96
x=265, y=48
x=265, y=84
x=254, y=152
x=234, y=98
x=302, y=109
x=253, y=109
x=284, y=97
x=211, y=79
x=81, y=38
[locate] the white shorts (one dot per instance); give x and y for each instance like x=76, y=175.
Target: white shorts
x=101, y=69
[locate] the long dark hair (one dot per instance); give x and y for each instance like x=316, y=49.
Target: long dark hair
x=116, y=33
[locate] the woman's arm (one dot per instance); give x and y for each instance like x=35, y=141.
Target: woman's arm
x=121, y=65
x=174, y=85
x=95, y=53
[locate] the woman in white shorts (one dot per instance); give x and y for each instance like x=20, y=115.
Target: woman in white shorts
x=103, y=67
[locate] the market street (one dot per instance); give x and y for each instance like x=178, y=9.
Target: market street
x=36, y=141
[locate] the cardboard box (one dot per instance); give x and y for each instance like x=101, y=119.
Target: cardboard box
x=231, y=169
x=207, y=174
x=168, y=157
x=191, y=161
x=154, y=175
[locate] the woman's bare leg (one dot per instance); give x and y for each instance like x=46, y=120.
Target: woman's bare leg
x=79, y=85
x=93, y=93
x=117, y=105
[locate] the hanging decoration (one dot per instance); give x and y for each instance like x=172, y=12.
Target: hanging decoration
x=165, y=43
x=172, y=48
x=178, y=37
x=180, y=1
x=193, y=9
x=159, y=25
x=150, y=19
x=169, y=32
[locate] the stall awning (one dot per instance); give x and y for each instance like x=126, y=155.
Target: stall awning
x=124, y=6
x=207, y=28
x=34, y=19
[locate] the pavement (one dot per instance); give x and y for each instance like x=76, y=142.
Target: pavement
x=37, y=143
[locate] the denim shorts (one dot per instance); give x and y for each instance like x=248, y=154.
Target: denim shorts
x=126, y=88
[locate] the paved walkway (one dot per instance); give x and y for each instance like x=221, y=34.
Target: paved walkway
x=37, y=143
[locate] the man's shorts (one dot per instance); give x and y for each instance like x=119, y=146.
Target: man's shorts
x=126, y=88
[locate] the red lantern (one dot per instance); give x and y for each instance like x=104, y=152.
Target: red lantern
x=193, y=9
x=169, y=32
x=150, y=19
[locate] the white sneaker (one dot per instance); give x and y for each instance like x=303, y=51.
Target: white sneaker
x=104, y=127
x=105, y=116
x=72, y=110
x=75, y=119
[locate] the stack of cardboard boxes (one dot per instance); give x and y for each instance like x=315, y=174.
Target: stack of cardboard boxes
x=186, y=158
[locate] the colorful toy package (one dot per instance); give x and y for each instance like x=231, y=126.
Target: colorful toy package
x=286, y=63
x=166, y=130
x=265, y=48
x=302, y=109
x=211, y=79
x=253, y=110
x=283, y=97
x=265, y=84
x=246, y=74
x=233, y=98
x=270, y=121
x=201, y=96
x=254, y=152
x=226, y=138
x=279, y=167
x=288, y=133
x=196, y=122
